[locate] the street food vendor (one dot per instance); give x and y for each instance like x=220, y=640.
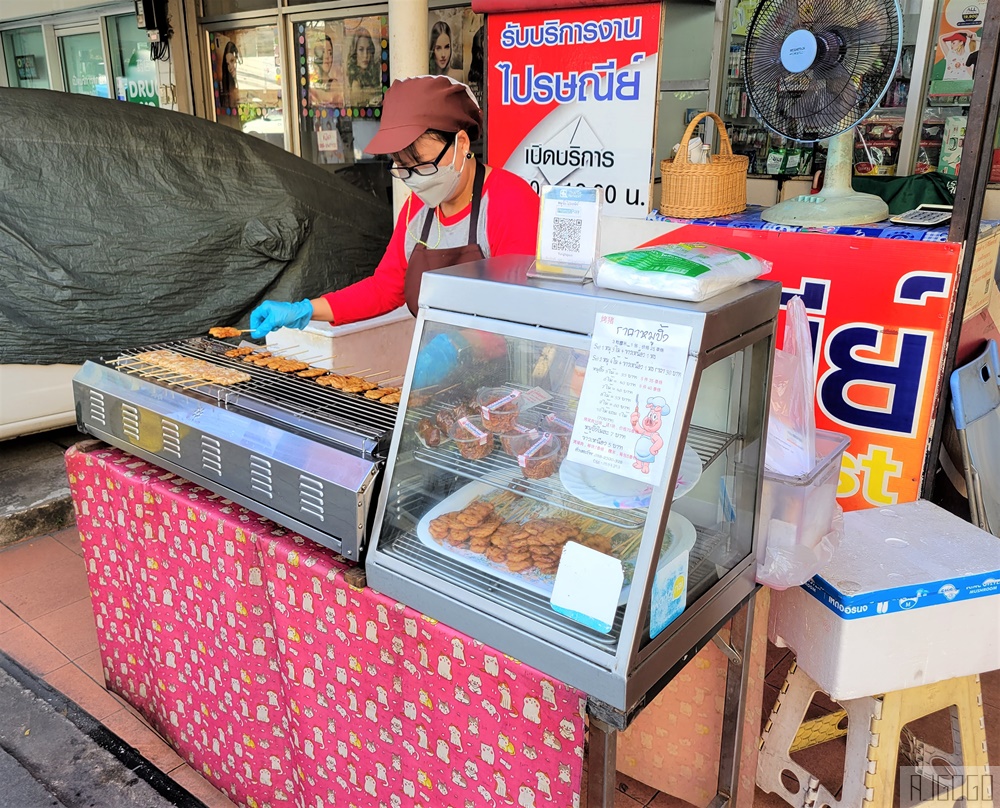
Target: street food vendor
x=460, y=209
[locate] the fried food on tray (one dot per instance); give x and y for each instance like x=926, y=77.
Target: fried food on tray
x=519, y=547
x=392, y=398
x=330, y=380
x=311, y=373
x=236, y=352
x=224, y=332
x=382, y=392
x=190, y=367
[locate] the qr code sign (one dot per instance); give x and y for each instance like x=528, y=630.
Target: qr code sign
x=566, y=234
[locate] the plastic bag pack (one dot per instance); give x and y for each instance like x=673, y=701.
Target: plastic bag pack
x=690, y=271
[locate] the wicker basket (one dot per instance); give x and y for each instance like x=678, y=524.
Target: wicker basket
x=699, y=190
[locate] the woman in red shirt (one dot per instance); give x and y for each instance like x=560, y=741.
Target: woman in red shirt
x=460, y=209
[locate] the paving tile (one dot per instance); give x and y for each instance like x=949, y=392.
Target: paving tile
x=71, y=629
x=774, y=656
x=989, y=682
x=762, y=799
x=80, y=688
x=63, y=581
x=622, y=800
x=91, y=665
x=8, y=619
x=776, y=676
x=663, y=800
x=138, y=734
x=29, y=648
x=200, y=787
x=640, y=792
x=69, y=538
x=826, y=762
x=32, y=555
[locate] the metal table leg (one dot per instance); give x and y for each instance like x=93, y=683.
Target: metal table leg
x=737, y=682
x=602, y=756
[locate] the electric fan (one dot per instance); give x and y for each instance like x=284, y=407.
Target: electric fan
x=813, y=70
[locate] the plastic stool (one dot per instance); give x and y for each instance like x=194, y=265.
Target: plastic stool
x=873, y=741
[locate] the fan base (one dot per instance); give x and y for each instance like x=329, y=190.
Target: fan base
x=820, y=210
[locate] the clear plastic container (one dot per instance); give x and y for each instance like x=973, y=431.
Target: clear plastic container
x=499, y=407
x=472, y=437
x=527, y=424
x=537, y=454
x=798, y=511
x=560, y=424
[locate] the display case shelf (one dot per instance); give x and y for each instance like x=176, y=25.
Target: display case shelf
x=502, y=471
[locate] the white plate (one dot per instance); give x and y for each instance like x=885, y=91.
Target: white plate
x=609, y=490
x=682, y=533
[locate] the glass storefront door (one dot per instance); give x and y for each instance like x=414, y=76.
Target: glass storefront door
x=24, y=49
x=246, y=80
x=133, y=71
x=84, y=69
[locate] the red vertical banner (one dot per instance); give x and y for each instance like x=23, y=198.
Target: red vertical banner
x=572, y=99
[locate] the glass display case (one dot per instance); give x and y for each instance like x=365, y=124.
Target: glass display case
x=575, y=473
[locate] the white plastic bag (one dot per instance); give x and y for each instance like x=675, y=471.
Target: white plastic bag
x=694, y=271
x=782, y=565
x=791, y=428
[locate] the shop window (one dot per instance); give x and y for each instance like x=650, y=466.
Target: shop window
x=246, y=80
x=133, y=70
x=24, y=49
x=342, y=72
x=213, y=8
x=84, y=70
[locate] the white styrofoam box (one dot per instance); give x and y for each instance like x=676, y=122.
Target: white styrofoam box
x=910, y=598
x=34, y=398
x=381, y=344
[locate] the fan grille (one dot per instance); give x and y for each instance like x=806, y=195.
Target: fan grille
x=858, y=44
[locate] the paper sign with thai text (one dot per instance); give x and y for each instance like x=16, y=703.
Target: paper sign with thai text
x=628, y=406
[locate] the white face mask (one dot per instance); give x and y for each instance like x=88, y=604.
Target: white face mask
x=439, y=187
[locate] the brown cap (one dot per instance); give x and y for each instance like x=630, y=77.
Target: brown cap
x=412, y=106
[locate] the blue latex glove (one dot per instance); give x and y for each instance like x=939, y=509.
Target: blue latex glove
x=271, y=315
x=435, y=361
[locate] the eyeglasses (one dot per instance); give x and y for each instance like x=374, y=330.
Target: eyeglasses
x=420, y=169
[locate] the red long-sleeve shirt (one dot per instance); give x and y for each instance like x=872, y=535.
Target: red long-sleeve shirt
x=508, y=225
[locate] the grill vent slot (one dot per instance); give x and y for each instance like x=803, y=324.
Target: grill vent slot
x=260, y=476
x=130, y=422
x=96, y=403
x=211, y=455
x=311, y=497
x=171, y=435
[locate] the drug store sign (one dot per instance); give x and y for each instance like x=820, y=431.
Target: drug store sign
x=572, y=99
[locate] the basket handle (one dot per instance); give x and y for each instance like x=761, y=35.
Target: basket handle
x=725, y=146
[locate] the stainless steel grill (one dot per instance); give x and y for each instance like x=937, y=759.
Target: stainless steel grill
x=310, y=457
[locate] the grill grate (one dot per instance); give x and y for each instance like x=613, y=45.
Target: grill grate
x=339, y=417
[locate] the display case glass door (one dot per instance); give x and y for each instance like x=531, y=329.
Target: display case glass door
x=494, y=482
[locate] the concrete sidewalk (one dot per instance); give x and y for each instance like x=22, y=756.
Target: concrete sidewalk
x=54, y=754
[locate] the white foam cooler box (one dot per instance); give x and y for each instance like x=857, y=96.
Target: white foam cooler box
x=380, y=344
x=910, y=598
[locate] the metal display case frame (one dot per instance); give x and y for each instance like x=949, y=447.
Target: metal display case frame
x=496, y=297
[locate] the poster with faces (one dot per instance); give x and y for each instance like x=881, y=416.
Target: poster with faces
x=455, y=46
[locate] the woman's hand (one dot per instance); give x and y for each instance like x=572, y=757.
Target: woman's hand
x=271, y=315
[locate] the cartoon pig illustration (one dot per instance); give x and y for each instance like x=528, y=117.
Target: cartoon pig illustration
x=648, y=428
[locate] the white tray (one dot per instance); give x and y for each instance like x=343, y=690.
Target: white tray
x=681, y=532
x=609, y=490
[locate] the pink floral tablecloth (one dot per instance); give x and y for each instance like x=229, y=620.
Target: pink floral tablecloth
x=244, y=646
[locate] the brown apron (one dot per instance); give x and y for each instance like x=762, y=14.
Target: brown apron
x=423, y=259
